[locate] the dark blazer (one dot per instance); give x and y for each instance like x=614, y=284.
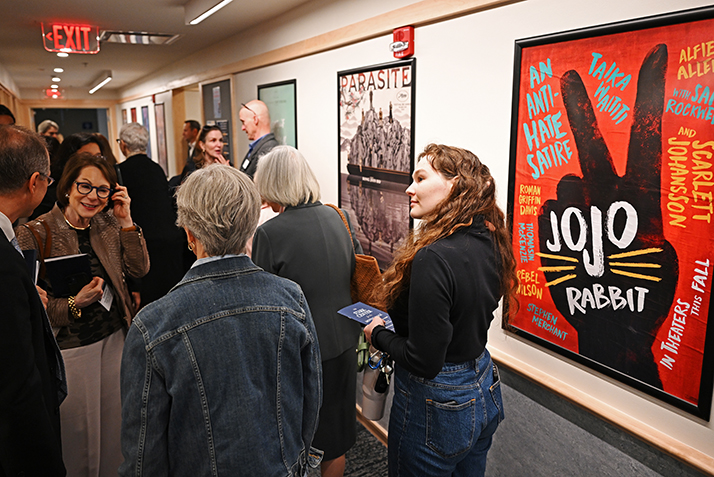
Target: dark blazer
x=264, y=145
x=310, y=245
x=29, y=400
x=152, y=209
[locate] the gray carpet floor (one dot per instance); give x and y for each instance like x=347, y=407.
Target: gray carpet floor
x=367, y=458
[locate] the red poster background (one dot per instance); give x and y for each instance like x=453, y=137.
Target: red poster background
x=690, y=68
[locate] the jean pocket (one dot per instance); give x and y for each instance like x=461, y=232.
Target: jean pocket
x=495, y=391
x=450, y=426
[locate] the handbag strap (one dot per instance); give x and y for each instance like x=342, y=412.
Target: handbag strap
x=344, y=221
x=43, y=251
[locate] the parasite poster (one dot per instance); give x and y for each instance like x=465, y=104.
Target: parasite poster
x=611, y=197
x=376, y=133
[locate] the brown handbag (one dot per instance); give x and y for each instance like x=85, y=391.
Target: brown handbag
x=366, y=276
x=43, y=252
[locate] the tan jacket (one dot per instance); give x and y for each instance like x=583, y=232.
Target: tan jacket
x=118, y=251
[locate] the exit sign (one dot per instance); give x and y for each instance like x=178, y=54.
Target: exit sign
x=62, y=37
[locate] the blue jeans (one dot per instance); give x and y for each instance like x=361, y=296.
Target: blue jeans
x=444, y=426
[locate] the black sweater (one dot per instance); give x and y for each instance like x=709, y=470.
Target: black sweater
x=445, y=313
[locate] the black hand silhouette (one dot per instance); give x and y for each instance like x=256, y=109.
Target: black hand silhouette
x=618, y=291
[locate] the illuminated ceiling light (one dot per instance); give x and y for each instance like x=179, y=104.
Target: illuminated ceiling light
x=137, y=37
x=63, y=55
x=54, y=86
x=198, y=10
x=56, y=79
x=105, y=78
x=59, y=70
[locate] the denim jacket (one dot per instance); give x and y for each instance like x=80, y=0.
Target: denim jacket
x=222, y=376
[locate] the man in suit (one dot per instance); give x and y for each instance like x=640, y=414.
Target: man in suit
x=32, y=382
x=152, y=210
x=255, y=118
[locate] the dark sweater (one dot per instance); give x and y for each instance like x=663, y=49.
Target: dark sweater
x=445, y=313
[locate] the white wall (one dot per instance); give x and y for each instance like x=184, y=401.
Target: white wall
x=464, y=78
x=168, y=113
x=463, y=98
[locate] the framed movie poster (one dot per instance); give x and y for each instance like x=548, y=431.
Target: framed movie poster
x=376, y=133
x=281, y=100
x=611, y=200
x=161, y=136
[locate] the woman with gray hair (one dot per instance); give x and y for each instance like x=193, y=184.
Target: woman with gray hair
x=222, y=375
x=309, y=244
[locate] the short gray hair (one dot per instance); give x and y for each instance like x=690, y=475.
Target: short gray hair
x=45, y=125
x=285, y=177
x=135, y=136
x=22, y=153
x=220, y=206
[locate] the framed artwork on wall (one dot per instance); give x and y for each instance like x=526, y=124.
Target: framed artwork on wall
x=133, y=115
x=124, y=119
x=375, y=149
x=281, y=100
x=161, y=136
x=145, y=123
x=611, y=201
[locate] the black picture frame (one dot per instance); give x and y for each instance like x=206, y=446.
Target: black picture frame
x=281, y=100
x=375, y=170
x=551, y=193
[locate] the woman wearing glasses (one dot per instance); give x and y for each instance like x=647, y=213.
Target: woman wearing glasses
x=92, y=323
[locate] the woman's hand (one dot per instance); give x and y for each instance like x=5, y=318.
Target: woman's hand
x=377, y=321
x=43, y=296
x=121, y=206
x=91, y=293
x=221, y=160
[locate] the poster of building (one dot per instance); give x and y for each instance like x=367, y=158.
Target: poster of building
x=376, y=134
x=611, y=194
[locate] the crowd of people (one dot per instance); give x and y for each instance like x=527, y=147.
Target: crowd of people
x=234, y=361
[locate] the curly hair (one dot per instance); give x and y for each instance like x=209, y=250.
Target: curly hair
x=473, y=193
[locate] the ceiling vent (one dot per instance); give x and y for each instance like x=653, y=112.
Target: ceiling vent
x=137, y=37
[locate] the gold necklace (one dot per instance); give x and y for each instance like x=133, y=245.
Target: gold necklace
x=72, y=226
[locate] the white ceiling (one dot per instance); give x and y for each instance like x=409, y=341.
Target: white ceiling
x=30, y=66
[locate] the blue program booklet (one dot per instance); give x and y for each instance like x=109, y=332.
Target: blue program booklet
x=364, y=314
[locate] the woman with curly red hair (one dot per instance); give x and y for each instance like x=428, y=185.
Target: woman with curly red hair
x=441, y=292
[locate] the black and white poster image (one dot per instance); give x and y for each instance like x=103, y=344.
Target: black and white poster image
x=376, y=133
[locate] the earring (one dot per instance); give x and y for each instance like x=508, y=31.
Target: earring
x=190, y=246
x=67, y=195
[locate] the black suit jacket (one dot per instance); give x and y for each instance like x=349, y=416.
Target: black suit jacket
x=310, y=245
x=29, y=402
x=250, y=163
x=152, y=209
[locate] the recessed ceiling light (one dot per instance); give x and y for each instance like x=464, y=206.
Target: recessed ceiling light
x=62, y=54
x=54, y=86
x=56, y=79
x=59, y=70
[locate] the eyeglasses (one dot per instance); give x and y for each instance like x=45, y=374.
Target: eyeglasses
x=50, y=180
x=246, y=107
x=85, y=188
x=118, y=141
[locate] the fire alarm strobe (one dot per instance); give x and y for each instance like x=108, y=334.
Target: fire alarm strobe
x=403, y=44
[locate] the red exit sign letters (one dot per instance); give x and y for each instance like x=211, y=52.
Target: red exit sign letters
x=61, y=37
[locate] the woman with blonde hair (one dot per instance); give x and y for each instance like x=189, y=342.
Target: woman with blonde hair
x=441, y=292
